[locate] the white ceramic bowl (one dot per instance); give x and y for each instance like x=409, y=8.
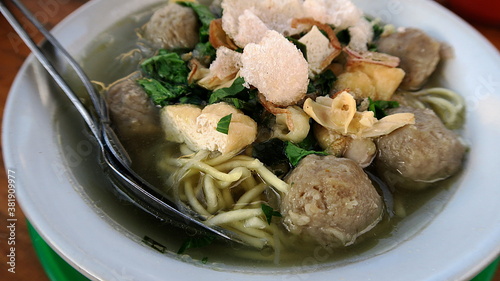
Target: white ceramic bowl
x=59, y=180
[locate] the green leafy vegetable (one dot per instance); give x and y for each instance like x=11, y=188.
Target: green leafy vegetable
x=196, y=242
x=344, y=37
x=377, y=31
x=223, y=124
x=379, y=107
x=269, y=212
x=162, y=93
x=301, y=46
x=275, y=153
x=204, y=260
x=296, y=153
x=166, y=77
x=204, y=15
x=309, y=143
x=203, y=50
x=377, y=27
x=324, y=32
x=192, y=99
x=372, y=47
x=237, y=95
x=271, y=152
x=322, y=83
x=167, y=67
x=231, y=91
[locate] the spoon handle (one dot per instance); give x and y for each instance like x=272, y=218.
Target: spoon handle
x=116, y=160
x=57, y=61
x=50, y=66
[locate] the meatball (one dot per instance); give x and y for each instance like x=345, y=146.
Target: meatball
x=131, y=110
x=418, y=52
x=172, y=27
x=331, y=201
x=415, y=155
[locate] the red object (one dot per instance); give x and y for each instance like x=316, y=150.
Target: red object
x=485, y=11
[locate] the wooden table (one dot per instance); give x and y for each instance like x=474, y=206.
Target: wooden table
x=12, y=55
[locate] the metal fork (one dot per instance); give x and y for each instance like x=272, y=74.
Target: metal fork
x=114, y=156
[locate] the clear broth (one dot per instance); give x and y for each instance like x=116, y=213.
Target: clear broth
x=101, y=64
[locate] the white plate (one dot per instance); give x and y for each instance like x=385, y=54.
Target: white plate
x=52, y=169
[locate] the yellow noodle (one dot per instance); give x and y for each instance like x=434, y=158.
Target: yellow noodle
x=183, y=197
x=253, y=241
x=237, y=171
x=249, y=196
x=198, y=190
x=210, y=194
x=269, y=177
x=258, y=167
x=185, y=163
x=245, y=173
x=254, y=205
x=196, y=156
x=185, y=150
x=220, y=199
x=447, y=104
x=181, y=193
x=193, y=202
x=230, y=165
x=258, y=233
x=224, y=176
x=228, y=198
x=220, y=159
x=243, y=157
x=235, y=215
x=249, y=183
x=232, y=176
x=255, y=222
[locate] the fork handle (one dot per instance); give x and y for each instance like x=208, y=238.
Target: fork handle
x=50, y=66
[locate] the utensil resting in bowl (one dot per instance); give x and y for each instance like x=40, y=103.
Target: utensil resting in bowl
x=60, y=64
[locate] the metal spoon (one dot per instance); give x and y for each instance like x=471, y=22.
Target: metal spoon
x=114, y=156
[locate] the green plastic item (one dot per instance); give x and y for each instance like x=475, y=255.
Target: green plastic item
x=58, y=269
x=55, y=267
x=488, y=273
